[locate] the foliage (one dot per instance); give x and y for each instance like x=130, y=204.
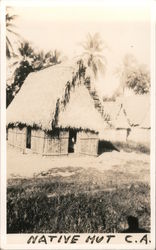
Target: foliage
x=10, y=31
x=51, y=206
x=25, y=50
x=109, y=99
x=138, y=79
x=29, y=61
x=93, y=52
x=20, y=74
x=133, y=76
x=23, y=66
x=133, y=147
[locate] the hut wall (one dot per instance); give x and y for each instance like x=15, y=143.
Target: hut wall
x=56, y=145
x=140, y=135
x=114, y=135
x=121, y=135
x=37, y=140
x=17, y=137
x=64, y=138
x=87, y=143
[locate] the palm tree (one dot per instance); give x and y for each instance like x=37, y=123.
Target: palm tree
x=129, y=62
x=53, y=57
x=93, y=52
x=24, y=53
x=26, y=50
x=10, y=31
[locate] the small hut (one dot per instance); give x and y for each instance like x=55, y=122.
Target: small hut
x=54, y=114
x=137, y=110
x=118, y=127
x=121, y=125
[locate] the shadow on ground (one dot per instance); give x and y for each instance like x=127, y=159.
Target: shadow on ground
x=106, y=146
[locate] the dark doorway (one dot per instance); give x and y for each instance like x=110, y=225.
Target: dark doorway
x=28, y=138
x=72, y=140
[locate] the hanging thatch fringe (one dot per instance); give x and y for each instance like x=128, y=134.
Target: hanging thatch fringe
x=48, y=92
x=125, y=113
x=70, y=86
x=55, y=120
x=77, y=79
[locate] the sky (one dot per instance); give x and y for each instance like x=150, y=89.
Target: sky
x=124, y=28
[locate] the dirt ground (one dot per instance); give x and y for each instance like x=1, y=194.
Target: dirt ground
x=77, y=194
x=110, y=166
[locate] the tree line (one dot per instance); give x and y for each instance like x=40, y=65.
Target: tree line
x=26, y=60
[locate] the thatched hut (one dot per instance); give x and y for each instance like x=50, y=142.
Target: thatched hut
x=129, y=119
x=119, y=128
x=121, y=125
x=54, y=114
x=137, y=109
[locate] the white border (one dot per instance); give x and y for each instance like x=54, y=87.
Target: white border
x=3, y=117
x=3, y=127
x=52, y=3
x=153, y=118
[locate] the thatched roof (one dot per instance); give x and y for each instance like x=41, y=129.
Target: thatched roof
x=146, y=122
x=121, y=121
x=115, y=115
x=129, y=112
x=111, y=110
x=42, y=98
x=137, y=109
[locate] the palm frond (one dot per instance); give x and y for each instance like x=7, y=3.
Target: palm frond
x=94, y=68
x=8, y=54
x=100, y=56
x=10, y=25
x=93, y=50
x=15, y=63
x=101, y=66
x=13, y=32
x=9, y=43
x=25, y=49
x=10, y=17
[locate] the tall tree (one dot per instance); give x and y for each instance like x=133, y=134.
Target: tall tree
x=9, y=33
x=133, y=76
x=47, y=59
x=93, y=51
x=26, y=50
x=129, y=61
x=138, y=79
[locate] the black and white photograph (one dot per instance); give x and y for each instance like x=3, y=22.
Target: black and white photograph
x=78, y=128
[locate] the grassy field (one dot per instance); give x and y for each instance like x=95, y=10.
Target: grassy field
x=132, y=146
x=129, y=146
x=96, y=196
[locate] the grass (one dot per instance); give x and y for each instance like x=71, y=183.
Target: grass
x=133, y=147
x=68, y=205
x=129, y=146
x=75, y=199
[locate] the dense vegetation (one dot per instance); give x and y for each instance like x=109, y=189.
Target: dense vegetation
x=133, y=76
x=50, y=205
